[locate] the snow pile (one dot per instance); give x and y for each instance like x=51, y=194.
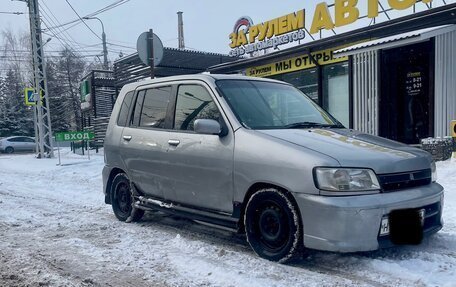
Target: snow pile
x=55, y=230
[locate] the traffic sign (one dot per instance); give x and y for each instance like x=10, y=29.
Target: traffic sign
x=74, y=136
x=144, y=50
x=31, y=96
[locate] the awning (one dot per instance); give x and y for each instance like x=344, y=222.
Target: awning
x=395, y=41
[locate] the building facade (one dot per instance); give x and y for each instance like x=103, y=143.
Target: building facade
x=395, y=79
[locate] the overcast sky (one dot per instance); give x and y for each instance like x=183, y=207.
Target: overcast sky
x=207, y=23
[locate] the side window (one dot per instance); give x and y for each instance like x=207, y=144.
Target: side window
x=134, y=120
x=193, y=102
x=29, y=140
x=153, y=112
x=124, y=109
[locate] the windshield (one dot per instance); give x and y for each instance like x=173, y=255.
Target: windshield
x=268, y=105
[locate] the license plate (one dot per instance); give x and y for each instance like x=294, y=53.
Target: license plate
x=385, y=225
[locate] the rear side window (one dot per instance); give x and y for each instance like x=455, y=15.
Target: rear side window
x=134, y=120
x=193, y=102
x=16, y=139
x=151, y=107
x=124, y=109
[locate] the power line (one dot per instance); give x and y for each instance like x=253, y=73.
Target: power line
x=13, y=13
x=84, y=50
x=107, y=8
x=68, y=28
x=57, y=22
x=81, y=48
x=54, y=27
x=88, y=27
x=61, y=30
x=123, y=46
x=48, y=56
x=47, y=51
x=63, y=40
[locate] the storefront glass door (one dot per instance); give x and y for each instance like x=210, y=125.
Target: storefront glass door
x=335, y=92
x=406, y=93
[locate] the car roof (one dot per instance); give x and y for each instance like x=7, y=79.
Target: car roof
x=202, y=77
x=12, y=137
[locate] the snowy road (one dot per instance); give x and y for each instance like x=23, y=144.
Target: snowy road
x=55, y=230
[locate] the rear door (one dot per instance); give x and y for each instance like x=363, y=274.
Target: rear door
x=119, y=118
x=145, y=137
x=199, y=167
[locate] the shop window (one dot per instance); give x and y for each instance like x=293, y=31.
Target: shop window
x=336, y=91
x=305, y=80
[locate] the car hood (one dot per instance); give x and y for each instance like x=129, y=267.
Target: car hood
x=355, y=149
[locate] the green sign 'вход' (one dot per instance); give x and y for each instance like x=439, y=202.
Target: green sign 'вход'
x=74, y=136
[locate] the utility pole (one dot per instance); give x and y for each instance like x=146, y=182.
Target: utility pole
x=150, y=51
x=105, y=50
x=180, y=30
x=103, y=38
x=43, y=130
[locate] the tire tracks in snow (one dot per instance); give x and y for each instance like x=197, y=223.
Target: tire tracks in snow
x=93, y=236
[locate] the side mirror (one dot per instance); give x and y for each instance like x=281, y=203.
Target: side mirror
x=207, y=127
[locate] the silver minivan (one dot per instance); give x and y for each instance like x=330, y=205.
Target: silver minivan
x=259, y=156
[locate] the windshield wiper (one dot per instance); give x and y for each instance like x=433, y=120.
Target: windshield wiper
x=310, y=125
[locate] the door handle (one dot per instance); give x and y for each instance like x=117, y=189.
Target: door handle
x=174, y=142
x=127, y=138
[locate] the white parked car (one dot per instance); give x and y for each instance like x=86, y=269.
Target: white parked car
x=17, y=143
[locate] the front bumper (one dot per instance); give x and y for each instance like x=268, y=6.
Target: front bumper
x=352, y=223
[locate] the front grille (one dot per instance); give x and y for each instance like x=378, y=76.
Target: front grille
x=398, y=181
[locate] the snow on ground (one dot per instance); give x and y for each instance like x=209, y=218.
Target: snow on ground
x=55, y=230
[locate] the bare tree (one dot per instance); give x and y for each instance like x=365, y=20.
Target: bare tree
x=70, y=70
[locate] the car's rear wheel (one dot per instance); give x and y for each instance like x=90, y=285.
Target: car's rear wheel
x=9, y=149
x=273, y=225
x=121, y=199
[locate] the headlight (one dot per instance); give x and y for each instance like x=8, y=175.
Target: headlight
x=346, y=180
x=434, y=172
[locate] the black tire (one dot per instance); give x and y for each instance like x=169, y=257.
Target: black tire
x=273, y=226
x=121, y=198
x=9, y=149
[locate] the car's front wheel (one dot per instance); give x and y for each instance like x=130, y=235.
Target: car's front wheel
x=9, y=149
x=121, y=199
x=273, y=225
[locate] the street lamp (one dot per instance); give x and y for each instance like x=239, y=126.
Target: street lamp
x=103, y=37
